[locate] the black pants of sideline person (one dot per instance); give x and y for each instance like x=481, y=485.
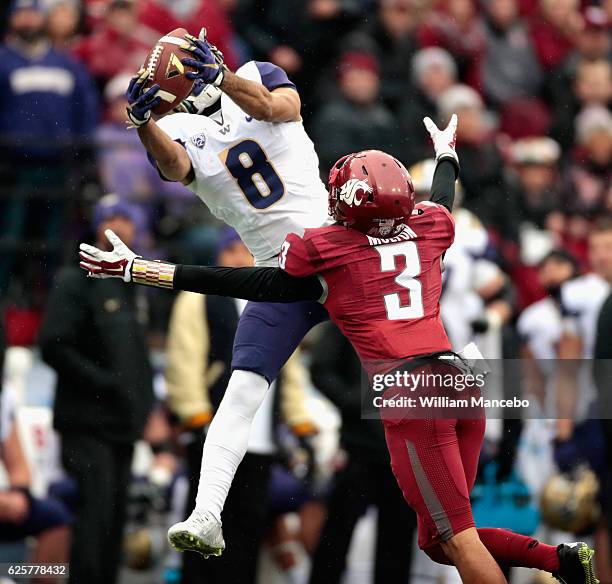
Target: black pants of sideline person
x=356, y=487
x=244, y=522
x=606, y=425
x=102, y=471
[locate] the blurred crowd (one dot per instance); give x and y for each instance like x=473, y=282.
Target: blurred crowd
x=528, y=276
x=531, y=81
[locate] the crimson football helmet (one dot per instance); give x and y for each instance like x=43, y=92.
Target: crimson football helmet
x=372, y=192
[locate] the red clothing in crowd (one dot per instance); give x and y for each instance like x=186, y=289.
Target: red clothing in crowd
x=208, y=13
x=107, y=53
x=551, y=45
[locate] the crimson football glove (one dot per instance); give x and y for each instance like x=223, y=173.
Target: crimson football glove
x=443, y=140
x=108, y=264
x=141, y=103
x=208, y=60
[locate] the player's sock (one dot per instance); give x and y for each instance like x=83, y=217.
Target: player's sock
x=512, y=549
x=227, y=439
x=509, y=549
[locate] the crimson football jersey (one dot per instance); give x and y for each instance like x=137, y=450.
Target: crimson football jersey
x=382, y=293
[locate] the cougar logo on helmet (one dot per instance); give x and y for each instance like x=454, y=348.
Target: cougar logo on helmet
x=348, y=191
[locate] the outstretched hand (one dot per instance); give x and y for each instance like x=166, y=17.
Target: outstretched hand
x=443, y=140
x=108, y=264
x=140, y=102
x=207, y=61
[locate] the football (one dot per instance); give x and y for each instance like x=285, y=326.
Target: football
x=163, y=64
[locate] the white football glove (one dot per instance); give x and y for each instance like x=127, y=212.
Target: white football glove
x=443, y=140
x=108, y=264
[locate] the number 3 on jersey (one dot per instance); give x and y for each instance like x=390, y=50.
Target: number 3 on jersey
x=249, y=165
x=406, y=279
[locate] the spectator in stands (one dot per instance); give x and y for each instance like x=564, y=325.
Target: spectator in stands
x=509, y=68
x=589, y=179
x=537, y=190
x=355, y=120
x=120, y=44
x=365, y=480
x=594, y=42
x=47, y=101
x=41, y=90
x=63, y=21
x=602, y=367
x=93, y=338
x=391, y=36
x=458, y=28
x=300, y=36
x=433, y=71
x=482, y=175
x=579, y=436
x=267, y=27
x=594, y=82
x=163, y=16
x=591, y=86
x=23, y=515
x=554, y=29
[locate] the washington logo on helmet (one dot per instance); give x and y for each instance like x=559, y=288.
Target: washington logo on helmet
x=349, y=190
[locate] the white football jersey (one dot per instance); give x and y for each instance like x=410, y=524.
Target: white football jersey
x=581, y=300
x=465, y=270
x=540, y=327
x=261, y=178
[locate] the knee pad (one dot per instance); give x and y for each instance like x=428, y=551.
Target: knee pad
x=245, y=392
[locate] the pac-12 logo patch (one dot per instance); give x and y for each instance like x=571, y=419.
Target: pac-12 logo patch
x=350, y=189
x=199, y=140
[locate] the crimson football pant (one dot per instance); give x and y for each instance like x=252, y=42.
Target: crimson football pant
x=435, y=463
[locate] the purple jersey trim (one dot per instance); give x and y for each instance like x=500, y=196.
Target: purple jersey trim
x=272, y=76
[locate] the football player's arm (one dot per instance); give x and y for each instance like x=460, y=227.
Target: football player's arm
x=569, y=353
x=14, y=460
x=170, y=157
x=279, y=105
x=443, y=183
x=447, y=169
x=257, y=284
x=534, y=380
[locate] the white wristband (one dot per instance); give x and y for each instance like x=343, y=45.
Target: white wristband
x=219, y=78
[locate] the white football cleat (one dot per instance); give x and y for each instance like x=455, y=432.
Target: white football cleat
x=200, y=532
